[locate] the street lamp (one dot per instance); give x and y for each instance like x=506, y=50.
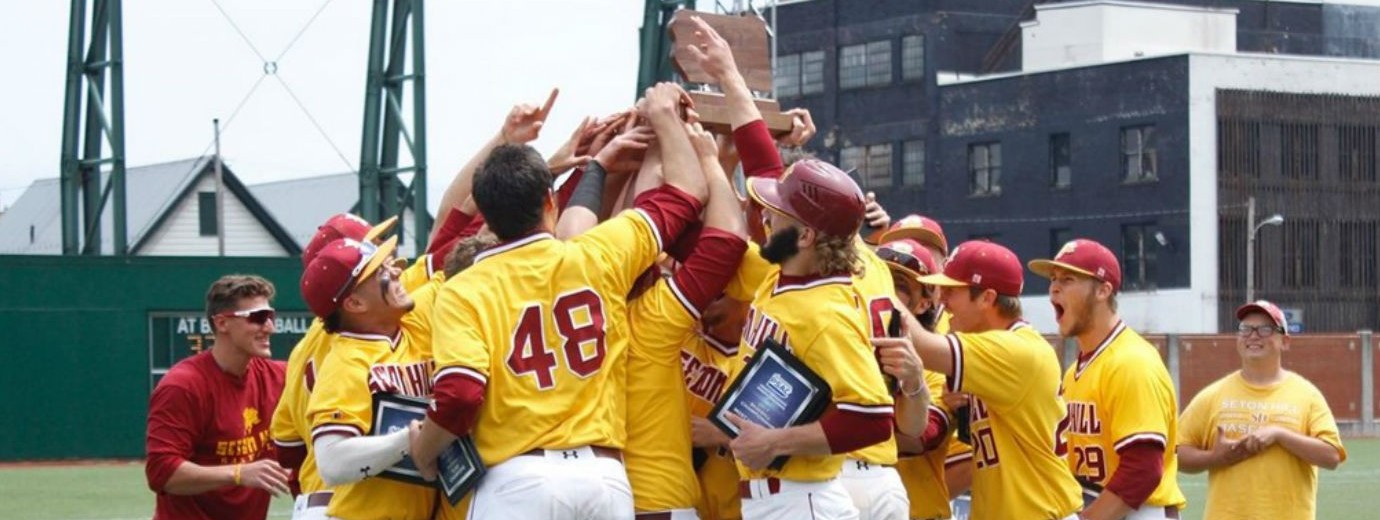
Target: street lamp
x=1274, y=220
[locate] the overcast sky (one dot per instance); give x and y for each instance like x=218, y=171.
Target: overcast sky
x=185, y=64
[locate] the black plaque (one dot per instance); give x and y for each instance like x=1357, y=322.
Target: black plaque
x=459, y=466
x=775, y=390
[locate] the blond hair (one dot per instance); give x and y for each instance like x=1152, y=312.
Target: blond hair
x=835, y=254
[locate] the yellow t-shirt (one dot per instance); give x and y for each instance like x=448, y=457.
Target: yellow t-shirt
x=290, y=427
x=1273, y=483
x=544, y=323
x=707, y=364
x=822, y=321
x=657, y=455
x=923, y=475
x=879, y=296
x=357, y=367
x=1013, y=377
x=1121, y=395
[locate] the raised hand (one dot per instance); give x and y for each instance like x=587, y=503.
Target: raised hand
x=875, y=215
x=802, y=128
x=710, y=51
x=569, y=155
x=625, y=152
x=265, y=474
x=703, y=141
x=663, y=101
x=525, y=121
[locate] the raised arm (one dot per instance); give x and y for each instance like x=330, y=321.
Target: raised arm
x=680, y=164
x=712, y=53
x=523, y=125
x=723, y=211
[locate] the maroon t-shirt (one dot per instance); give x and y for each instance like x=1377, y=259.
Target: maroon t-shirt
x=202, y=414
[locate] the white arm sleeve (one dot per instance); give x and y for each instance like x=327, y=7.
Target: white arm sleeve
x=342, y=460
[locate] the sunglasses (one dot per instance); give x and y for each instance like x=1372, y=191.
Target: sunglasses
x=906, y=260
x=257, y=316
x=367, y=250
x=1263, y=331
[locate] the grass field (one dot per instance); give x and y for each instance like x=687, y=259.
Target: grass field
x=117, y=491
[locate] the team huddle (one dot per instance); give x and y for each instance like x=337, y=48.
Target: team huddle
x=580, y=335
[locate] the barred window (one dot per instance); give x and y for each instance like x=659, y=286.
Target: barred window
x=1138, y=153
x=1299, y=151
x=913, y=165
x=913, y=57
x=1138, y=255
x=812, y=72
x=787, y=75
x=865, y=65
x=984, y=168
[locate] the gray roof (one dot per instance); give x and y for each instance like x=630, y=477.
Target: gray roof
x=301, y=205
x=33, y=225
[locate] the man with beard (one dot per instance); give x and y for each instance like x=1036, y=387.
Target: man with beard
x=380, y=336
x=207, y=441
x=1013, y=377
x=1122, y=409
x=810, y=306
x=1262, y=432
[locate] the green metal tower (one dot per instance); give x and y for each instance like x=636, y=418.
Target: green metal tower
x=655, y=62
x=85, y=135
x=381, y=191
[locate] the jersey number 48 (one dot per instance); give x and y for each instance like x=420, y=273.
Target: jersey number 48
x=579, y=318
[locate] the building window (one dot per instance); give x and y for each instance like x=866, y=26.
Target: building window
x=1057, y=238
x=871, y=165
x=984, y=169
x=1299, y=151
x=787, y=75
x=1060, y=160
x=1238, y=149
x=1357, y=255
x=799, y=74
x=865, y=65
x=812, y=72
x=1138, y=255
x=913, y=167
x=1356, y=153
x=913, y=57
x=1300, y=254
x=206, y=210
x=1138, y=153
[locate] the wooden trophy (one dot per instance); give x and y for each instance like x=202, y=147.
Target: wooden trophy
x=747, y=37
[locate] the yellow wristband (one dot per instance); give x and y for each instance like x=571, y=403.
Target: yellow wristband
x=237, y=473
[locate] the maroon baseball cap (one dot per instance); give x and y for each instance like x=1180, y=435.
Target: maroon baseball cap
x=983, y=264
x=345, y=225
x=1085, y=257
x=909, y=257
x=814, y=192
x=338, y=268
x=920, y=228
x=1269, y=309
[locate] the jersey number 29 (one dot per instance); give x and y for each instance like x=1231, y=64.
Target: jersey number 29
x=579, y=318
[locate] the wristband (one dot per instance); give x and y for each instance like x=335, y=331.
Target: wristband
x=237, y=473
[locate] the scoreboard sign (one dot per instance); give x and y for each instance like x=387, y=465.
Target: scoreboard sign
x=177, y=335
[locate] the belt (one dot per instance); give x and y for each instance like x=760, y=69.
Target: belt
x=745, y=487
x=599, y=451
x=320, y=499
x=1171, y=512
x=659, y=515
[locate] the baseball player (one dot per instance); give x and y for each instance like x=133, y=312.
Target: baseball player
x=207, y=441
x=290, y=427
x=661, y=321
x=379, y=335
x=708, y=361
x=531, y=340
x=1013, y=377
x=1122, y=409
x=958, y=467
x=923, y=457
x=810, y=306
x=1262, y=432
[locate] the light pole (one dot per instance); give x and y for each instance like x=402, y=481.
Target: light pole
x=1274, y=220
